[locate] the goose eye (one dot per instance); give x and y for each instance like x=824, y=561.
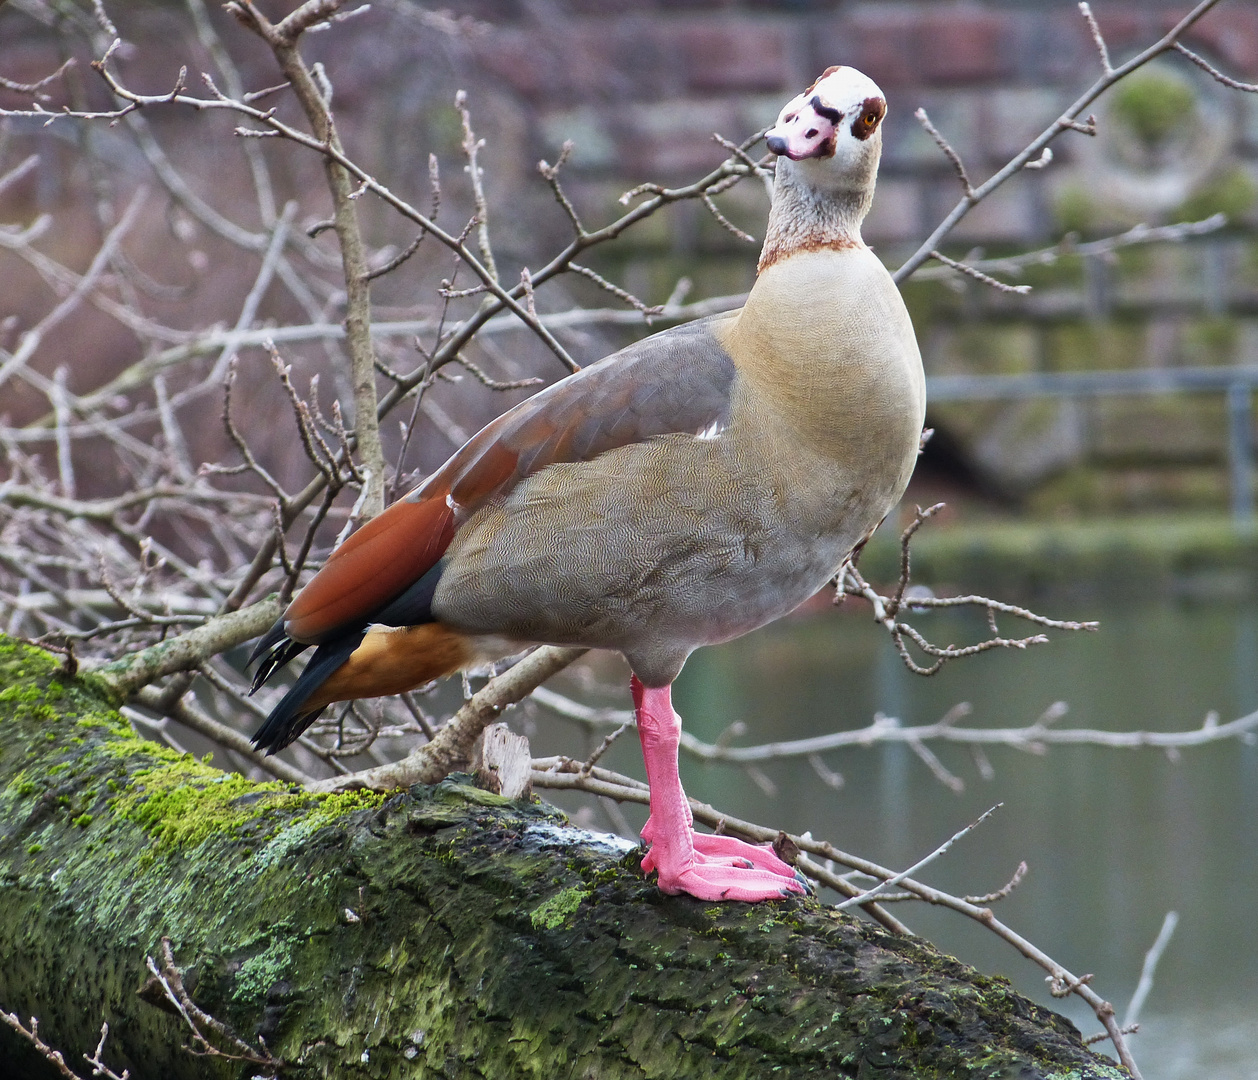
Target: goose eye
x=871, y=118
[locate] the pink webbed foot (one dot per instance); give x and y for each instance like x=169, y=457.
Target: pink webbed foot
x=761, y=856
x=705, y=866
x=720, y=868
x=718, y=879
x=711, y=849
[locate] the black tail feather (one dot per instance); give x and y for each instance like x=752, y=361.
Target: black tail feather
x=269, y=640
x=414, y=605
x=279, y=654
x=275, y=649
x=288, y=719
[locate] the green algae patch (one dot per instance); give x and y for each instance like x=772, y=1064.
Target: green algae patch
x=256, y=975
x=556, y=911
x=182, y=805
x=186, y=802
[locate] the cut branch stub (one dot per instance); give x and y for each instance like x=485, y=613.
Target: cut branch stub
x=502, y=762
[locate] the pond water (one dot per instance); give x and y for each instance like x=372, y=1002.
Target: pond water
x=1113, y=838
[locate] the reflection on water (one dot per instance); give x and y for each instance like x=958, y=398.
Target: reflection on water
x=1114, y=838
x=1219, y=1044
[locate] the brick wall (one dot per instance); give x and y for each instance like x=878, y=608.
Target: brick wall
x=641, y=87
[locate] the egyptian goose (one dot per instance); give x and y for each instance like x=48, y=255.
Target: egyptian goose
x=681, y=492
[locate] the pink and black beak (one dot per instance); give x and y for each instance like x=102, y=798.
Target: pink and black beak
x=807, y=130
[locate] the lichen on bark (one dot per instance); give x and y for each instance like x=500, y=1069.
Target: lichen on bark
x=438, y=932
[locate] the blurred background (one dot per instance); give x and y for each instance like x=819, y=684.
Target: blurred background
x=1126, y=497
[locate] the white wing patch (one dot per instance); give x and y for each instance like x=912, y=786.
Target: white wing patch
x=713, y=430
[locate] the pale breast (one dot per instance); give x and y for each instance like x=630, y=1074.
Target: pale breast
x=660, y=546
x=830, y=374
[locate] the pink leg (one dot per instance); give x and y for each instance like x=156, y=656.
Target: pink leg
x=709, y=867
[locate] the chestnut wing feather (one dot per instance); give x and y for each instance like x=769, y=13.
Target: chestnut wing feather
x=678, y=381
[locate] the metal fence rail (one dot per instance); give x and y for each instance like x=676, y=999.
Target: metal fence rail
x=1236, y=383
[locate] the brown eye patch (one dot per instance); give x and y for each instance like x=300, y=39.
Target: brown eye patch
x=872, y=110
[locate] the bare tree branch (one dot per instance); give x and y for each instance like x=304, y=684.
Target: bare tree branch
x=1068, y=120
x=451, y=748
x=123, y=677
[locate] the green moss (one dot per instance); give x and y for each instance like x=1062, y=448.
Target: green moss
x=182, y=804
x=327, y=808
x=110, y=721
x=22, y=785
x=1075, y=208
x=554, y=912
x=1231, y=192
x=83, y=820
x=1154, y=103
x=256, y=975
x=26, y=661
x=19, y=694
x=34, y=849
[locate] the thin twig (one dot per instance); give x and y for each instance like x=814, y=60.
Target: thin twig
x=892, y=882
x=33, y=89
x=1097, y=38
x=471, y=149
x=1249, y=88
x=978, y=275
x=1147, y=970
x=1003, y=891
x=948, y=150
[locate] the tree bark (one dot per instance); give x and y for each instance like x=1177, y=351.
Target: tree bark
x=437, y=932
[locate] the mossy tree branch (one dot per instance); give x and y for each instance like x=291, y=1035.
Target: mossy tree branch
x=123, y=677
x=442, y=931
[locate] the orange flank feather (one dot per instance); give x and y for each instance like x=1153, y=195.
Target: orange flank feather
x=392, y=661
x=383, y=558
